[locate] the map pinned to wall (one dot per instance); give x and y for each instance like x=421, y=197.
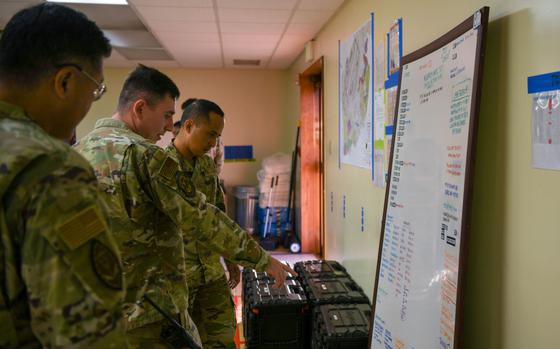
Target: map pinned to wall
x=355, y=97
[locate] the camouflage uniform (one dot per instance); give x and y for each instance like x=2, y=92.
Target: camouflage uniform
x=150, y=203
x=60, y=270
x=211, y=305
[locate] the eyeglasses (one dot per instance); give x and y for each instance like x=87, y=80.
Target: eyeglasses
x=101, y=87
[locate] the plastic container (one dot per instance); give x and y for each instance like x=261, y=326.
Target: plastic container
x=277, y=220
x=320, y=269
x=333, y=291
x=341, y=326
x=274, y=318
x=246, y=202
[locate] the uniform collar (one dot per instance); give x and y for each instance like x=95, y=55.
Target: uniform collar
x=119, y=125
x=12, y=111
x=185, y=164
x=112, y=123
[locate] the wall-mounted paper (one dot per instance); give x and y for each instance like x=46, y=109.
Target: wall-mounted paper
x=545, y=89
x=546, y=130
x=379, y=139
x=355, y=98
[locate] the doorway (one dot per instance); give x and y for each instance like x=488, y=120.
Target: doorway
x=311, y=155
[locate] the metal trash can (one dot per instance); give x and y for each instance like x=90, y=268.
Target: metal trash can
x=246, y=201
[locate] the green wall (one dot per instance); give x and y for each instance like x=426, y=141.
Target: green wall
x=514, y=263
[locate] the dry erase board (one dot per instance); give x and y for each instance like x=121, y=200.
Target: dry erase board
x=422, y=252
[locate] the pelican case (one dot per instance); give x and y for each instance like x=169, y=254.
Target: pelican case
x=274, y=318
x=333, y=291
x=341, y=326
x=320, y=269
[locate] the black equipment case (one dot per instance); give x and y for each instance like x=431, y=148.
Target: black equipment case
x=341, y=326
x=320, y=269
x=273, y=318
x=333, y=291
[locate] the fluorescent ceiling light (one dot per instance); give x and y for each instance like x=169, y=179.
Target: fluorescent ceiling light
x=98, y=2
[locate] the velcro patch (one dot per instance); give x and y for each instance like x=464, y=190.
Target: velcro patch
x=168, y=169
x=106, y=265
x=82, y=227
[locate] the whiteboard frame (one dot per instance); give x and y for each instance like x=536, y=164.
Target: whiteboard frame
x=435, y=45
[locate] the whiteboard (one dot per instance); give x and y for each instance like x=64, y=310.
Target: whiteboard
x=420, y=265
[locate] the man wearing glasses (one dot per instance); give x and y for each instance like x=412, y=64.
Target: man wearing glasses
x=60, y=270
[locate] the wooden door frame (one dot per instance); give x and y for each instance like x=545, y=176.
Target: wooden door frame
x=312, y=169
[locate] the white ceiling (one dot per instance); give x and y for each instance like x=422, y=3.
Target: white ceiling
x=204, y=33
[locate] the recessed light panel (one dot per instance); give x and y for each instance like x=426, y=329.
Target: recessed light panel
x=99, y=2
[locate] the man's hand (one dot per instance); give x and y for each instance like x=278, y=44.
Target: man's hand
x=234, y=274
x=278, y=271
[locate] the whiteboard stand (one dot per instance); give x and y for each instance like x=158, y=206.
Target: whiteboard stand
x=420, y=280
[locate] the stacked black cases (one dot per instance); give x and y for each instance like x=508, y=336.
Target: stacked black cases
x=320, y=269
x=328, y=283
x=341, y=326
x=341, y=290
x=273, y=318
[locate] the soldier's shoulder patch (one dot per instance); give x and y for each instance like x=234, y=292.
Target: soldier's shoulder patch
x=186, y=184
x=106, y=265
x=169, y=168
x=81, y=227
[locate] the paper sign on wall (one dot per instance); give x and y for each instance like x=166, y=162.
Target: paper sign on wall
x=545, y=90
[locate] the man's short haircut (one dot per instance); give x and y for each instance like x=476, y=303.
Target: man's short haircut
x=147, y=83
x=199, y=110
x=187, y=103
x=38, y=39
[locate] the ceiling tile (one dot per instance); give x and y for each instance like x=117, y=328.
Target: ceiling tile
x=191, y=37
x=251, y=28
x=180, y=47
x=199, y=14
x=244, y=49
x=297, y=41
x=320, y=4
x=253, y=15
x=258, y=4
x=247, y=52
x=286, y=50
x=304, y=29
x=163, y=26
x=199, y=55
x=172, y=3
x=251, y=40
x=319, y=17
